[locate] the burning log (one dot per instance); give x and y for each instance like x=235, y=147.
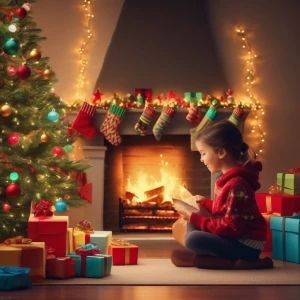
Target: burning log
x=155, y=195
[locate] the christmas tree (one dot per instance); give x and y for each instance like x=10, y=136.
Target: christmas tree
x=35, y=139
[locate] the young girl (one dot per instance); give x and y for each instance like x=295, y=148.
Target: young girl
x=234, y=236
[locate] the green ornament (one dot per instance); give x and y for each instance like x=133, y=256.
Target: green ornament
x=14, y=176
x=11, y=47
x=215, y=102
x=68, y=148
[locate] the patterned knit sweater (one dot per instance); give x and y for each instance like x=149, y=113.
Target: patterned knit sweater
x=234, y=208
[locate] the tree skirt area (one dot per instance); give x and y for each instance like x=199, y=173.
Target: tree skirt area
x=161, y=271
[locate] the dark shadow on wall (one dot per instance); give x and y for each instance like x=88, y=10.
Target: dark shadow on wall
x=162, y=45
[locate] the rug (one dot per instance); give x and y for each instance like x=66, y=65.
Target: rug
x=161, y=271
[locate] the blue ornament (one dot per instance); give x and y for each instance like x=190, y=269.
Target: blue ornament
x=60, y=206
x=53, y=116
x=11, y=47
x=14, y=176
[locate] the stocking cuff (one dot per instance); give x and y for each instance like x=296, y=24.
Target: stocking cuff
x=211, y=113
x=117, y=110
x=88, y=109
x=169, y=110
x=149, y=111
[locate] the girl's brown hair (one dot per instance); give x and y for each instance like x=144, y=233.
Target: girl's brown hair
x=225, y=134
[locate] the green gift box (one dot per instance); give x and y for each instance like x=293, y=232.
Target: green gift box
x=290, y=183
x=193, y=97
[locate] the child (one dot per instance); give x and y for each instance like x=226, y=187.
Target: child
x=234, y=236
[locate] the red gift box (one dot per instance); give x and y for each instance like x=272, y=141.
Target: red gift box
x=123, y=255
x=281, y=205
x=268, y=243
x=61, y=267
x=51, y=230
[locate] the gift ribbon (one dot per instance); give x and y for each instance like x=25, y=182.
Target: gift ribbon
x=269, y=204
x=122, y=242
x=17, y=240
x=84, y=251
x=283, y=237
x=43, y=209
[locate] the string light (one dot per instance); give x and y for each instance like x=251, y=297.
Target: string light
x=254, y=103
x=81, y=81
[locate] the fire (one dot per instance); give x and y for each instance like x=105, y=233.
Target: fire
x=145, y=185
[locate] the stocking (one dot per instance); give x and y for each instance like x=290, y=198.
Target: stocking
x=237, y=116
x=111, y=124
x=193, y=115
x=165, y=118
x=144, y=120
x=83, y=121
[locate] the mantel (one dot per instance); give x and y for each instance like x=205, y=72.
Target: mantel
x=178, y=126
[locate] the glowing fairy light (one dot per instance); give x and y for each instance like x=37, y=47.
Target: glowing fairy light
x=254, y=103
x=83, y=62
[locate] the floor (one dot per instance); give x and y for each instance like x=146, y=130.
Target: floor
x=151, y=292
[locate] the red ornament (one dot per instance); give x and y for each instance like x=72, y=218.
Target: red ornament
x=23, y=72
x=97, y=96
x=11, y=70
x=6, y=207
x=21, y=12
x=58, y=151
x=229, y=92
x=13, y=138
x=13, y=191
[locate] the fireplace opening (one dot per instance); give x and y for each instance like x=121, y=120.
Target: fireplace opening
x=141, y=177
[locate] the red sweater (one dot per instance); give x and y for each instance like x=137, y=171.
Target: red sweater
x=235, y=204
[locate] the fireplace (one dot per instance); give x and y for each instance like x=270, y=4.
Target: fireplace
x=141, y=177
x=110, y=170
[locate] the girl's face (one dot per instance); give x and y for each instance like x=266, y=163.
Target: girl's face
x=209, y=157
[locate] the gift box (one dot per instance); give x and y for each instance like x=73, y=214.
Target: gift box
x=60, y=267
x=31, y=256
x=285, y=238
x=146, y=94
x=281, y=205
x=123, y=253
x=268, y=243
x=51, y=230
x=193, y=97
x=14, y=278
x=290, y=181
x=89, y=264
x=100, y=238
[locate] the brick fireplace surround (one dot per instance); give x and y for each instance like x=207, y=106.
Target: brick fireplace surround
x=95, y=150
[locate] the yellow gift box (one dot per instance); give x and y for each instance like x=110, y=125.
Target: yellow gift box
x=31, y=256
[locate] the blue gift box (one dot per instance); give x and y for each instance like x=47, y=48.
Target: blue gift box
x=14, y=278
x=285, y=238
x=92, y=266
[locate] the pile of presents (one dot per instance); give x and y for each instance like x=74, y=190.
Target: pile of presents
x=281, y=209
x=53, y=250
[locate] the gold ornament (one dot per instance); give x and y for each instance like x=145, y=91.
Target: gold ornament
x=5, y=110
x=44, y=138
x=35, y=55
x=47, y=74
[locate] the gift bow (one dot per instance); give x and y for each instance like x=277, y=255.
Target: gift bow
x=51, y=253
x=17, y=240
x=120, y=242
x=43, y=209
x=13, y=270
x=84, y=226
x=87, y=250
x=294, y=171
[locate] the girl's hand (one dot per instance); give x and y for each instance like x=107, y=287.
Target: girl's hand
x=199, y=200
x=185, y=215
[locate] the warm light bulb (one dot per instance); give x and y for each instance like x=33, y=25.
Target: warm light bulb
x=12, y=28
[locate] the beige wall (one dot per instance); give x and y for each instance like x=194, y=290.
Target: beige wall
x=275, y=35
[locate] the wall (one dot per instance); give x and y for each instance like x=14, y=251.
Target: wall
x=274, y=27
